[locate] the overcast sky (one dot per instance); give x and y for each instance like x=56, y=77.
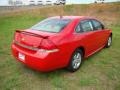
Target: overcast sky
x=4, y=2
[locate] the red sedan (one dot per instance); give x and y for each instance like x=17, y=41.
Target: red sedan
x=61, y=41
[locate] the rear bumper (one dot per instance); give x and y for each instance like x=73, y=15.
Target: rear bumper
x=38, y=60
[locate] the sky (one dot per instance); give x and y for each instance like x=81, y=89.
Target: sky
x=4, y=2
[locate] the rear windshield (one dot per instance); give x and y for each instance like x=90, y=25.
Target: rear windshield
x=51, y=25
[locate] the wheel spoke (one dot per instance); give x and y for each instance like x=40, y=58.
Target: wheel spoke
x=77, y=60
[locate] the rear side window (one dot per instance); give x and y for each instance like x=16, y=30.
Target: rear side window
x=97, y=25
x=86, y=26
x=78, y=28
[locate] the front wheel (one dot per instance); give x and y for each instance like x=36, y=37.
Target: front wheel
x=76, y=61
x=109, y=42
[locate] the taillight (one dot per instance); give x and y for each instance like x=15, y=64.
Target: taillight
x=17, y=36
x=48, y=46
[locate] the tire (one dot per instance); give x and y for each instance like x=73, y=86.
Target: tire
x=109, y=42
x=76, y=61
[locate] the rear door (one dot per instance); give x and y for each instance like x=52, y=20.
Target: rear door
x=100, y=33
x=85, y=28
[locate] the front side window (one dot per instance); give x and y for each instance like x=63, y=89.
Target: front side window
x=51, y=25
x=86, y=26
x=97, y=25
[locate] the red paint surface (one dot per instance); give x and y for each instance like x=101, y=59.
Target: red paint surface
x=66, y=41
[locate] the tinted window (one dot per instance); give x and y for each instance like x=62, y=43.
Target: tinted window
x=78, y=28
x=97, y=25
x=86, y=26
x=51, y=25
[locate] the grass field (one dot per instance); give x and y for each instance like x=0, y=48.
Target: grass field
x=99, y=72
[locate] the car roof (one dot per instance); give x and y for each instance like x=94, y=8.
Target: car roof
x=71, y=17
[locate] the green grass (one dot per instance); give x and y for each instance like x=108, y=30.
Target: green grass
x=99, y=72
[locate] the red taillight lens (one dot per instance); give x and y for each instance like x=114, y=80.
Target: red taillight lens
x=17, y=36
x=47, y=44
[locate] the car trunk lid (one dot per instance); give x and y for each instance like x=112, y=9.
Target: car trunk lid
x=29, y=38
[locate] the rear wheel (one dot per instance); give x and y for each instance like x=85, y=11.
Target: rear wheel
x=109, y=42
x=76, y=60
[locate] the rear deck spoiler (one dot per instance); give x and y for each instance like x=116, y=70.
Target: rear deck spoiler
x=32, y=34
